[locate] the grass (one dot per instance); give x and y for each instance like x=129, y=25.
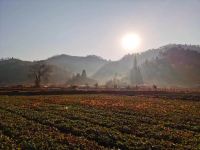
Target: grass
x=98, y=122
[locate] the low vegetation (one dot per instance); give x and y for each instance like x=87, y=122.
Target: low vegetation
x=98, y=122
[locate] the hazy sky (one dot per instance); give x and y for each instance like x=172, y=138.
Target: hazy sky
x=37, y=29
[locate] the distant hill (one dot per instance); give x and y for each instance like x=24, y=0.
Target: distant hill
x=174, y=67
x=170, y=65
x=15, y=71
x=75, y=64
x=181, y=46
x=122, y=67
x=190, y=57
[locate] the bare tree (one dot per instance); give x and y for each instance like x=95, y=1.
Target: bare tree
x=40, y=71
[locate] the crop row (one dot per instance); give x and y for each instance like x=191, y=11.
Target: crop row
x=103, y=121
x=108, y=136
x=32, y=135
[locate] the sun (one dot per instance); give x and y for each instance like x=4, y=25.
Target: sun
x=131, y=41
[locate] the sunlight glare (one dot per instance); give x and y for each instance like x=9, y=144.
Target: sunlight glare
x=131, y=41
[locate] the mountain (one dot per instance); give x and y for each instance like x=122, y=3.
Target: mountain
x=122, y=67
x=181, y=46
x=174, y=67
x=169, y=65
x=15, y=71
x=156, y=67
x=76, y=64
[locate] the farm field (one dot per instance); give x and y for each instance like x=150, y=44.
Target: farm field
x=98, y=121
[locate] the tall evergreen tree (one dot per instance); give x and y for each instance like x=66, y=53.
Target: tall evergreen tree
x=135, y=74
x=84, y=75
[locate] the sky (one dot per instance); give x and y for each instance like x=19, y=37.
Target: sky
x=38, y=29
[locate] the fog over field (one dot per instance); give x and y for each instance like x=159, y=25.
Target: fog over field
x=99, y=74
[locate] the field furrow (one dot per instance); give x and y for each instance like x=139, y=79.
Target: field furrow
x=104, y=121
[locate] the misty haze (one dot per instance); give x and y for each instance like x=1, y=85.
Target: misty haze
x=95, y=74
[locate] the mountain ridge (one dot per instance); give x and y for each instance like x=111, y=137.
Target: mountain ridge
x=97, y=67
